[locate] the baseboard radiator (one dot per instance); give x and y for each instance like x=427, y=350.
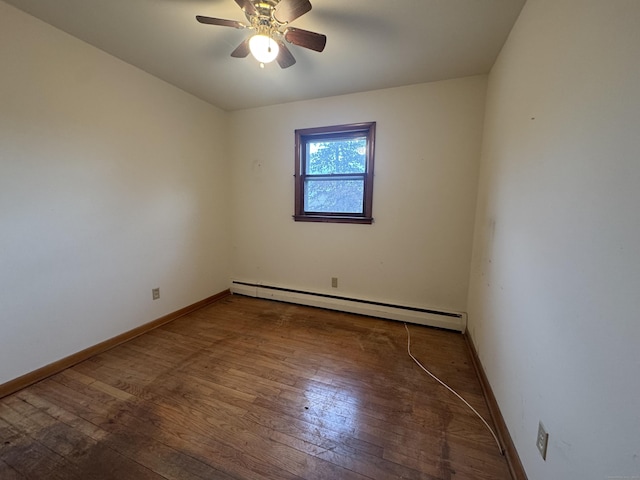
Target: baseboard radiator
x=421, y=316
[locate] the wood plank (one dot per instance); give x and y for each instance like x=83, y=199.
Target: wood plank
x=169, y=427
x=7, y=472
x=252, y=389
x=83, y=456
x=30, y=458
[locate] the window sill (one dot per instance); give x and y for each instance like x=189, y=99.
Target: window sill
x=333, y=219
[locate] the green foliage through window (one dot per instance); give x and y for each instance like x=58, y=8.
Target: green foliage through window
x=334, y=173
x=337, y=156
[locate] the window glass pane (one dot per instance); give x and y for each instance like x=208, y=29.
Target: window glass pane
x=334, y=173
x=334, y=196
x=347, y=155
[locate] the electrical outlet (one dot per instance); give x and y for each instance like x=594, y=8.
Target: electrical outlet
x=542, y=441
x=155, y=293
x=334, y=282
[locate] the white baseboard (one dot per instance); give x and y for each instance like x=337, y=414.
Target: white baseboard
x=421, y=316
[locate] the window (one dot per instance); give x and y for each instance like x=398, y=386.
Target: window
x=334, y=173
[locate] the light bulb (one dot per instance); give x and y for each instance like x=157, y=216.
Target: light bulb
x=263, y=48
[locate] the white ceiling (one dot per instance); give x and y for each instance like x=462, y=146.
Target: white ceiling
x=371, y=44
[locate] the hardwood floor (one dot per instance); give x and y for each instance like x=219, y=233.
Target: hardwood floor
x=253, y=389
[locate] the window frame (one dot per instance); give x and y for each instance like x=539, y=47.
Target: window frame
x=334, y=132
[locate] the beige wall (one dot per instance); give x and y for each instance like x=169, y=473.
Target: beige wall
x=553, y=304
x=112, y=183
x=418, y=250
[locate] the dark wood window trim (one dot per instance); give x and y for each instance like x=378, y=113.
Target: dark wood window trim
x=302, y=136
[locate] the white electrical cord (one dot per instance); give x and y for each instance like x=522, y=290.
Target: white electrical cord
x=450, y=389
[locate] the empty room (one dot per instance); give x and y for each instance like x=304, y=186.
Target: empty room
x=293, y=239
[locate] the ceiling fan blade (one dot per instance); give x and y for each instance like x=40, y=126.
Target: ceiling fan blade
x=247, y=6
x=220, y=21
x=285, y=58
x=241, y=50
x=288, y=10
x=305, y=38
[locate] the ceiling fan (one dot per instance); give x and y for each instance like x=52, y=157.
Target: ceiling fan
x=270, y=19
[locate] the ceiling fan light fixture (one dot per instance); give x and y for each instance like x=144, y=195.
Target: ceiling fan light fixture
x=269, y=20
x=263, y=48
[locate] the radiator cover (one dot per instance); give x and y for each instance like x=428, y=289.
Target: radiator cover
x=422, y=316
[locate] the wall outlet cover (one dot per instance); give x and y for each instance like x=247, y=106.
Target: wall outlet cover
x=542, y=441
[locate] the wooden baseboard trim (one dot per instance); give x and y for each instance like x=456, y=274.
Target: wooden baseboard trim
x=30, y=378
x=513, y=459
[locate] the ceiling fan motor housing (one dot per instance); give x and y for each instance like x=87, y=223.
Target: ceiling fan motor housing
x=264, y=22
